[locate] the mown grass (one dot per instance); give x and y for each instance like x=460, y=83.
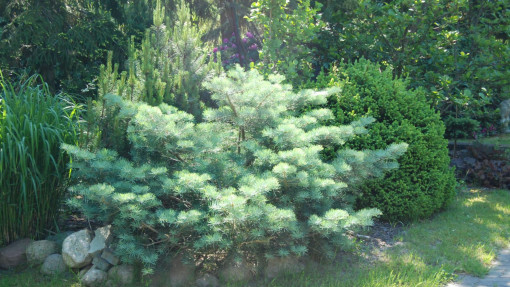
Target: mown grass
x=499, y=140
x=463, y=239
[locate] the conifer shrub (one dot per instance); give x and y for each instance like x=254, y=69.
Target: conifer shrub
x=170, y=66
x=246, y=184
x=424, y=182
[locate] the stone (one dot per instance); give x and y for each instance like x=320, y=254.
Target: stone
x=103, y=237
x=121, y=275
x=84, y=270
x=53, y=264
x=235, y=271
x=180, y=273
x=75, y=249
x=504, y=108
x=37, y=251
x=94, y=277
x=470, y=161
x=109, y=256
x=14, y=254
x=173, y=272
x=100, y=263
x=283, y=265
x=207, y=280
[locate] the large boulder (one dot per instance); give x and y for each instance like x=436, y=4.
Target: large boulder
x=121, y=275
x=59, y=238
x=94, y=277
x=180, y=272
x=37, y=251
x=75, y=249
x=283, y=265
x=84, y=270
x=14, y=254
x=53, y=264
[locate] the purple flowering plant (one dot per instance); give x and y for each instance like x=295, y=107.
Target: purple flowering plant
x=485, y=132
x=232, y=54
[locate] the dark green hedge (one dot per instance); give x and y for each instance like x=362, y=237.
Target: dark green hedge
x=424, y=183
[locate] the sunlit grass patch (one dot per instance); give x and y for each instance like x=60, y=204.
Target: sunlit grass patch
x=463, y=239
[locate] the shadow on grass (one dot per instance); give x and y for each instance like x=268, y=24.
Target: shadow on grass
x=463, y=239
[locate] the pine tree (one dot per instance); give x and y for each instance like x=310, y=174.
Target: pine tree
x=248, y=182
x=170, y=66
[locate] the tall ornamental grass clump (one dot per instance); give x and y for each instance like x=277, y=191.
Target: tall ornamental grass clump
x=33, y=125
x=247, y=184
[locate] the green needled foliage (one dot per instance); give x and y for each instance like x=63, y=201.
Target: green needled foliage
x=169, y=68
x=424, y=183
x=33, y=125
x=248, y=183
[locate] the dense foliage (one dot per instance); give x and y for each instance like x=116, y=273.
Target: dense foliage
x=133, y=60
x=248, y=182
x=66, y=41
x=170, y=67
x=288, y=33
x=33, y=169
x=63, y=42
x=424, y=183
x=458, y=50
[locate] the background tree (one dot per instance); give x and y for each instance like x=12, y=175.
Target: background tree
x=170, y=66
x=288, y=32
x=458, y=50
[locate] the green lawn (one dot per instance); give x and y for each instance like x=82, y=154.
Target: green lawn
x=499, y=140
x=463, y=239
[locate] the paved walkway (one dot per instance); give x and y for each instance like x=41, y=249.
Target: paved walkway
x=499, y=275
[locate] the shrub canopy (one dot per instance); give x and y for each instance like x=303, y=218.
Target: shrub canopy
x=248, y=181
x=424, y=183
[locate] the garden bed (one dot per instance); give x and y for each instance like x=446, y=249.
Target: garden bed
x=482, y=162
x=464, y=239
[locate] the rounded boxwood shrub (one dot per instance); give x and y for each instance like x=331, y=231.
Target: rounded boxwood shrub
x=424, y=182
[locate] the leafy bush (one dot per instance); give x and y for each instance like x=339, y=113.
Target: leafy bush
x=33, y=171
x=424, y=183
x=232, y=54
x=461, y=127
x=249, y=182
x=64, y=42
x=288, y=31
x=458, y=50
